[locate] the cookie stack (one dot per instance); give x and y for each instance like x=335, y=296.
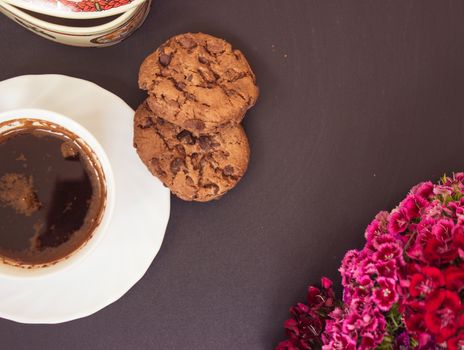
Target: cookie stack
x=188, y=132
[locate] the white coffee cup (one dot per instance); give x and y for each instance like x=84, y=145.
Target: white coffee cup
x=11, y=120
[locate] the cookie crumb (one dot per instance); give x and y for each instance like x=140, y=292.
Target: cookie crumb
x=21, y=158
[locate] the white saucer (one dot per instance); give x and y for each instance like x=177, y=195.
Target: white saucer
x=140, y=215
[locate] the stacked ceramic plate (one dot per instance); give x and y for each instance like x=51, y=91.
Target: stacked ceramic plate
x=88, y=23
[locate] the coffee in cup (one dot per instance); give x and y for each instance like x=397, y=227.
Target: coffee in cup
x=52, y=193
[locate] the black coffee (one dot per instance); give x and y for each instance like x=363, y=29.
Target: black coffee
x=52, y=195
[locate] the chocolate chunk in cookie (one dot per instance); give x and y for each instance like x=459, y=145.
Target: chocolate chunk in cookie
x=198, y=168
x=198, y=82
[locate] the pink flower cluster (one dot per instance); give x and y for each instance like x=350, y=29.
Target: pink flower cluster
x=369, y=278
x=405, y=288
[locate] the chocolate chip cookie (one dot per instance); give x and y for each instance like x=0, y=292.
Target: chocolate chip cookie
x=195, y=168
x=198, y=82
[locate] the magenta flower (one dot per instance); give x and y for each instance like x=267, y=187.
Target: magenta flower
x=443, y=229
x=398, y=222
x=434, y=210
x=369, y=341
x=326, y=283
x=367, y=268
x=378, y=227
x=340, y=341
x=402, y=342
x=424, y=189
x=410, y=206
x=362, y=323
x=387, y=269
x=385, y=295
x=459, y=177
x=379, y=240
x=423, y=233
x=333, y=337
x=373, y=230
x=349, y=265
x=442, y=190
x=387, y=252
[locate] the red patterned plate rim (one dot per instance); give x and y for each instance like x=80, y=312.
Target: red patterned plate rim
x=76, y=9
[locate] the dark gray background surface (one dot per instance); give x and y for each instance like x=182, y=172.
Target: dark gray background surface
x=359, y=101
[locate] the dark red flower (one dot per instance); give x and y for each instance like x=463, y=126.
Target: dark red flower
x=415, y=323
x=439, y=248
x=304, y=327
x=430, y=344
x=307, y=323
x=458, y=240
x=321, y=298
x=446, y=242
x=426, y=282
x=458, y=230
x=441, y=315
x=439, y=252
x=454, y=278
x=313, y=298
x=286, y=345
x=410, y=269
x=456, y=342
